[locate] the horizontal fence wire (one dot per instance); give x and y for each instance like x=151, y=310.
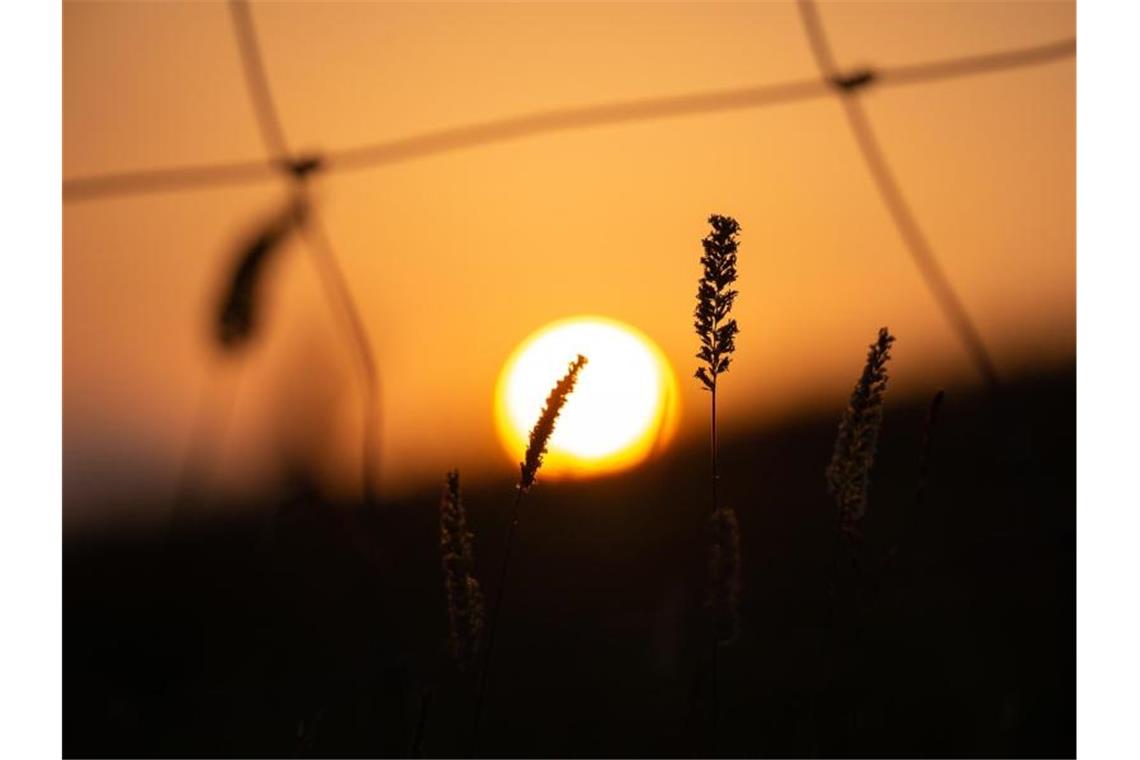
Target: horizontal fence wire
x=543, y=122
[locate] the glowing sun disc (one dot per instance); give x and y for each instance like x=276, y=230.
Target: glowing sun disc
x=622, y=409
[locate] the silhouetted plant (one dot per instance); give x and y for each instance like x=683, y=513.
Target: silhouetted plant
x=465, y=615
x=717, y=331
x=849, y=473
x=542, y=430
x=241, y=302
x=715, y=299
x=528, y=470
x=848, y=478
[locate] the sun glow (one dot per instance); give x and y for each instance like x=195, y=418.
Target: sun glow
x=622, y=409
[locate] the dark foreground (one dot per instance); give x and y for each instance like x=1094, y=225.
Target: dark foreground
x=307, y=630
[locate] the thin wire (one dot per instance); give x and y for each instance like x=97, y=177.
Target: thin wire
x=162, y=180
x=257, y=82
x=564, y=119
x=336, y=285
x=332, y=275
x=912, y=235
x=922, y=73
x=819, y=47
x=546, y=122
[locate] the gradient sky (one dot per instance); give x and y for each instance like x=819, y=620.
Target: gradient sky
x=455, y=258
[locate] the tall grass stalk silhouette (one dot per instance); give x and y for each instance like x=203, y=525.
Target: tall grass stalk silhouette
x=849, y=472
x=528, y=471
x=717, y=333
x=848, y=477
x=465, y=612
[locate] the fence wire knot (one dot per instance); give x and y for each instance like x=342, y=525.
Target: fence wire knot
x=304, y=165
x=853, y=81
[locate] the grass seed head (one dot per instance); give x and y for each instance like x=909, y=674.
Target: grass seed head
x=540, y=434
x=465, y=609
x=849, y=473
x=714, y=300
x=240, y=305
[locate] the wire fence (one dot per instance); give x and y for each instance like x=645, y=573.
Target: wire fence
x=848, y=86
x=380, y=154
x=924, y=259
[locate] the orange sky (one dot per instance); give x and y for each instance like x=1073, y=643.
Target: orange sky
x=455, y=258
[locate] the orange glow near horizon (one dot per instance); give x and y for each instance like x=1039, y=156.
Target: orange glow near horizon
x=622, y=409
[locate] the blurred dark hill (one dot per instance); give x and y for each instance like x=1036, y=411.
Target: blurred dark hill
x=311, y=630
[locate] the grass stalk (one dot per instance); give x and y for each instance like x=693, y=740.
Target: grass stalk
x=462, y=593
x=717, y=333
x=848, y=477
x=528, y=471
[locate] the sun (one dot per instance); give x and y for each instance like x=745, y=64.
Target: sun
x=622, y=409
